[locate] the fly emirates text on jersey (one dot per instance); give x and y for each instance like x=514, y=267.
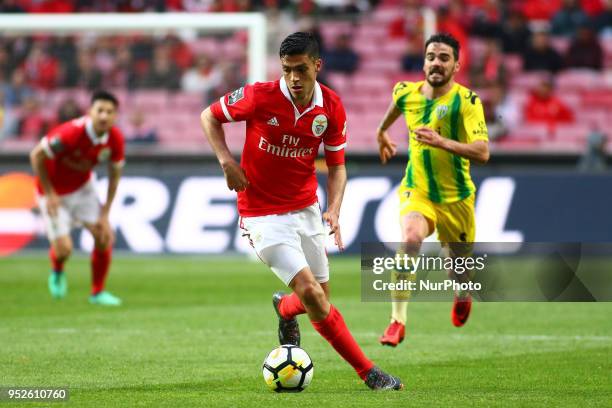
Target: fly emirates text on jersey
x=289, y=148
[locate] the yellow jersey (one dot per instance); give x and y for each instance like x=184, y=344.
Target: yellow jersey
x=441, y=176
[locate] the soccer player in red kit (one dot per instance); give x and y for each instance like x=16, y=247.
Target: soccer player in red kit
x=286, y=121
x=63, y=163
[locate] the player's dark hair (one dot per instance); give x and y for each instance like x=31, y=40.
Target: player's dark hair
x=447, y=39
x=300, y=43
x=104, y=96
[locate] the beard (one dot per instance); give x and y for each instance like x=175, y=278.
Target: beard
x=439, y=82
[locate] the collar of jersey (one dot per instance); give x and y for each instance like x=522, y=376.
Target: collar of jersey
x=92, y=133
x=450, y=92
x=317, y=99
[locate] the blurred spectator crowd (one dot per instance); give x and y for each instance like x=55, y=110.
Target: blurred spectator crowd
x=538, y=65
x=301, y=7
x=33, y=67
x=543, y=68
x=505, y=39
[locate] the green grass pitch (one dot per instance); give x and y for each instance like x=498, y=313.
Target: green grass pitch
x=194, y=332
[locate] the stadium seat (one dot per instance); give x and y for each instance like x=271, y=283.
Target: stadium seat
x=572, y=80
x=372, y=32
x=234, y=50
x=597, y=99
x=367, y=49
x=606, y=44
x=594, y=117
x=339, y=82
x=332, y=29
x=207, y=45
x=148, y=100
x=393, y=49
x=378, y=67
x=530, y=132
x=370, y=83
x=513, y=64
x=574, y=133
x=477, y=48
x=186, y=102
x=561, y=44
x=384, y=15
x=390, y=4
x=527, y=80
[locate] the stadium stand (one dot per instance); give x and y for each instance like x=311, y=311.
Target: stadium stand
x=39, y=74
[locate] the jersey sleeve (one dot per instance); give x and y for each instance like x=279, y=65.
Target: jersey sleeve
x=400, y=89
x=61, y=139
x=117, y=157
x=474, y=122
x=235, y=106
x=334, y=140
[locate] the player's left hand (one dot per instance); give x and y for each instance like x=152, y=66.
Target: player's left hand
x=429, y=137
x=331, y=217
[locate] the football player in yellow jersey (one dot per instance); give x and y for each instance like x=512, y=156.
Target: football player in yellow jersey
x=447, y=131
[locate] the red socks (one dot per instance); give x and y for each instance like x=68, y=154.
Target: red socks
x=100, y=262
x=334, y=330
x=57, y=266
x=291, y=306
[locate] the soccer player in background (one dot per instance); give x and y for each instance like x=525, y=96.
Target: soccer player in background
x=63, y=163
x=447, y=131
x=286, y=121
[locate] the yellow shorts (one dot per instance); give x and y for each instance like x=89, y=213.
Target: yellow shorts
x=455, y=222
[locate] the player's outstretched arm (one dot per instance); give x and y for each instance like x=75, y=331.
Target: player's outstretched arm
x=336, y=182
x=37, y=160
x=477, y=151
x=213, y=129
x=386, y=147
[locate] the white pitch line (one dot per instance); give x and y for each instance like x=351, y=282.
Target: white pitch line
x=416, y=336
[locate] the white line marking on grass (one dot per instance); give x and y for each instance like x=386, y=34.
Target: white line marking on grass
x=505, y=337
x=416, y=336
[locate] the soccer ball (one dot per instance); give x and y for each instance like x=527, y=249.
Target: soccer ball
x=287, y=368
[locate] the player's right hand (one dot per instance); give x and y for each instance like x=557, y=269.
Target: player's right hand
x=386, y=147
x=235, y=177
x=53, y=203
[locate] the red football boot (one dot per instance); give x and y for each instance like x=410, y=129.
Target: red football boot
x=394, y=334
x=461, y=310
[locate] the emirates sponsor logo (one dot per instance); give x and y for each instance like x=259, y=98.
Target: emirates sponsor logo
x=285, y=150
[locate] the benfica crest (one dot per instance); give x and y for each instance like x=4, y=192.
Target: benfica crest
x=319, y=124
x=104, y=154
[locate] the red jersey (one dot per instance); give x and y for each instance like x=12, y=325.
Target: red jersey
x=281, y=144
x=549, y=110
x=73, y=149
